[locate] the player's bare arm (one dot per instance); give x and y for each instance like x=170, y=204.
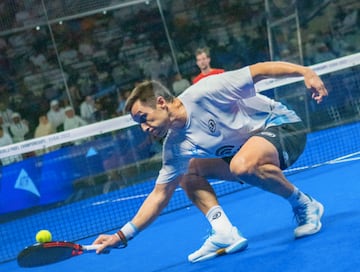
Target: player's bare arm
x=154, y=204
x=277, y=69
x=148, y=212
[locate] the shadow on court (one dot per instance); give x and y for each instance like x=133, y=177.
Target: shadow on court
x=264, y=219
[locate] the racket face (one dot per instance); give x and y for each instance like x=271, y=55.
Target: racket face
x=47, y=253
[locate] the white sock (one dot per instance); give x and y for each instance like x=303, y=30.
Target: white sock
x=298, y=198
x=218, y=219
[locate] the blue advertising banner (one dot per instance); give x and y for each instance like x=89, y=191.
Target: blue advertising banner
x=49, y=178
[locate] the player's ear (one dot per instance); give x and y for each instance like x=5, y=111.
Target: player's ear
x=161, y=101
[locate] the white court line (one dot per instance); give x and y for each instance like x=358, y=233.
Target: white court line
x=341, y=159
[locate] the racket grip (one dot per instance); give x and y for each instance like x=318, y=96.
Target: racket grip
x=95, y=247
x=90, y=247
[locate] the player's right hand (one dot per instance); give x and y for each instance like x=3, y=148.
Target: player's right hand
x=105, y=241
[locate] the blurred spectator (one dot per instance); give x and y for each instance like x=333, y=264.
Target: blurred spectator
x=68, y=55
x=51, y=92
x=350, y=23
x=323, y=53
x=339, y=45
x=120, y=72
x=239, y=46
x=72, y=120
x=157, y=65
x=128, y=44
x=166, y=64
x=56, y=115
x=122, y=96
x=203, y=60
x=6, y=114
x=100, y=75
x=19, y=128
x=33, y=79
x=310, y=49
x=44, y=128
x=127, y=41
x=30, y=105
x=4, y=126
x=151, y=65
x=38, y=59
x=87, y=109
x=289, y=56
x=100, y=113
x=179, y=84
x=20, y=42
x=86, y=46
x=5, y=140
x=23, y=15
x=90, y=81
x=75, y=96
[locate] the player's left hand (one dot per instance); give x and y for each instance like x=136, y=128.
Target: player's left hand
x=316, y=86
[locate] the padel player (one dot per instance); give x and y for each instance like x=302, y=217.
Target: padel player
x=222, y=128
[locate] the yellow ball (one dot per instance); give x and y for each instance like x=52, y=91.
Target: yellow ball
x=43, y=236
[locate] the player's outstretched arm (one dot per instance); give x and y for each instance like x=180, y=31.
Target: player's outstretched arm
x=148, y=212
x=279, y=69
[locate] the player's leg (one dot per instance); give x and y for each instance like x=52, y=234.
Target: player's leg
x=224, y=238
x=195, y=182
x=259, y=163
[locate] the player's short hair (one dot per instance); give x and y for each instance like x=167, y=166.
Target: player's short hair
x=147, y=92
x=201, y=50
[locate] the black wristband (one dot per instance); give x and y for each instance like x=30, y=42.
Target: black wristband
x=123, y=239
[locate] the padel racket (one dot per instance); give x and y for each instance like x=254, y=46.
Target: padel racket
x=51, y=252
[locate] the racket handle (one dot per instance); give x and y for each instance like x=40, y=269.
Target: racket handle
x=90, y=247
x=95, y=247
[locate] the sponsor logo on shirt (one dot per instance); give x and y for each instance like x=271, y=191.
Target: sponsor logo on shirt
x=212, y=125
x=226, y=150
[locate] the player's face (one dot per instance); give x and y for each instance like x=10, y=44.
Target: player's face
x=203, y=61
x=155, y=121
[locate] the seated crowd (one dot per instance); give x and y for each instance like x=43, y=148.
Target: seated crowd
x=98, y=60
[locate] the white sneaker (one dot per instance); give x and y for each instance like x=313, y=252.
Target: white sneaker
x=308, y=218
x=219, y=244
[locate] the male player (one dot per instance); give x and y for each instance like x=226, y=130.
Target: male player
x=203, y=60
x=222, y=128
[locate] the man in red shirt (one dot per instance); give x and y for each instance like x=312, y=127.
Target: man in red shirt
x=203, y=62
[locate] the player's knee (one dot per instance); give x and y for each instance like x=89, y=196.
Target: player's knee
x=191, y=176
x=194, y=167
x=242, y=168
